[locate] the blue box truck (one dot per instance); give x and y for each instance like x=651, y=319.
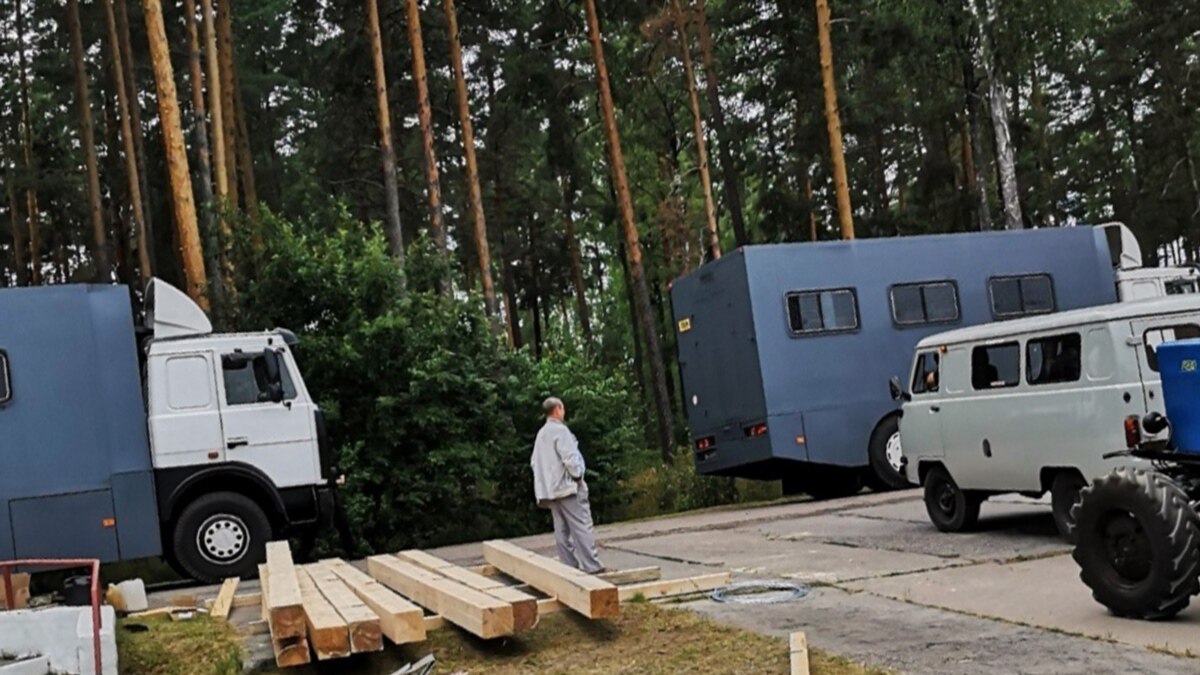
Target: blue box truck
x=785, y=351
x=191, y=445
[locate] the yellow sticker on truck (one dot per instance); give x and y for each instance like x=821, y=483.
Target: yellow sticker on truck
x=685, y=325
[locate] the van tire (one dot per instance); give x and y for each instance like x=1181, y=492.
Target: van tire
x=882, y=450
x=221, y=535
x=1064, y=495
x=950, y=508
x=1139, y=544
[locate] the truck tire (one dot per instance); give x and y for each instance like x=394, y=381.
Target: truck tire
x=1064, y=495
x=886, y=457
x=221, y=535
x=1139, y=544
x=950, y=508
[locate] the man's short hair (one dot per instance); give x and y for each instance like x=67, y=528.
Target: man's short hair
x=550, y=404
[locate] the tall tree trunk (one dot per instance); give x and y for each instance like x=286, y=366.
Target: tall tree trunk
x=220, y=161
x=585, y=320
x=730, y=183
x=808, y=204
x=20, y=261
x=474, y=194
x=34, y=248
x=425, y=120
x=387, y=153
x=113, y=165
x=212, y=248
x=87, y=137
x=712, y=236
x=228, y=113
x=131, y=171
x=1006, y=163
x=512, y=323
x=176, y=154
x=245, y=157
x=833, y=124
x=135, y=118
x=633, y=249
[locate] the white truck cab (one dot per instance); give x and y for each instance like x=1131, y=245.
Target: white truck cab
x=1031, y=405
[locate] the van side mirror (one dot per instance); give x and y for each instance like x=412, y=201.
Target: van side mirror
x=898, y=393
x=271, y=369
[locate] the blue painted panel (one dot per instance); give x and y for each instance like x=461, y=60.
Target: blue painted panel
x=138, y=531
x=61, y=526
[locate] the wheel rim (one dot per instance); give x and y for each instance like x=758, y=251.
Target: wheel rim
x=1126, y=547
x=894, y=453
x=223, y=539
x=947, y=499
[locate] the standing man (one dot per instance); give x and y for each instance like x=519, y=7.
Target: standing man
x=558, y=485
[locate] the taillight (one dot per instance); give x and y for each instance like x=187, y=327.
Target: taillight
x=1133, y=433
x=705, y=443
x=755, y=429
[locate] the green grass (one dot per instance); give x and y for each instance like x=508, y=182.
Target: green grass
x=199, y=646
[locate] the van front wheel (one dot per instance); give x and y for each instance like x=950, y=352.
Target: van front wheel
x=886, y=456
x=950, y=508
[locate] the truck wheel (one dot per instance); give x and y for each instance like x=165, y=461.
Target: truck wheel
x=1064, y=495
x=1139, y=544
x=950, y=508
x=886, y=456
x=221, y=535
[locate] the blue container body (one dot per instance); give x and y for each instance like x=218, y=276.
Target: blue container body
x=1179, y=366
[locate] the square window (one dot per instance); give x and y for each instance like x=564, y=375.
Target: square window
x=1021, y=295
x=996, y=366
x=921, y=303
x=1156, y=336
x=941, y=302
x=812, y=312
x=1053, y=359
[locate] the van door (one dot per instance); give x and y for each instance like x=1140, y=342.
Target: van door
x=277, y=438
x=921, y=426
x=1147, y=334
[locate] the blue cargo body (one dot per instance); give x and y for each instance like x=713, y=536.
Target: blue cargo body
x=75, y=469
x=1179, y=367
x=765, y=395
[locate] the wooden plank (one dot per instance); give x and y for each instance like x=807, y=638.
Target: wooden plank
x=632, y=576
x=283, y=602
x=668, y=587
x=475, y=611
x=362, y=623
x=184, y=600
x=291, y=650
x=246, y=600
x=255, y=628
x=799, y=660
x=584, y=593
x=224, y=602
x=524, y=605
x=327, y=631
x=485, y=570
x=400, y=620
x=434, y=622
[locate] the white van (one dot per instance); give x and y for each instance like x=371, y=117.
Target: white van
x=1032, y=405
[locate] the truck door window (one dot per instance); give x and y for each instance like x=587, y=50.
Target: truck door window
x=5, y=379
x=1053, y=359
x=996, y=366
x=928, y=302
x=246, y=380
x=827, y=311
x=189, y=382
x=926, y=376
x=1181, y=287
x=1156, y=336
x=1021, y=295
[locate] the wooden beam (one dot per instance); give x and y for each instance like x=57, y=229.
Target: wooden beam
x=247, y=600
x=283, y=603
x=327, y=631
x=799, y=647
x=291, y=650
x=584, y=593
x=632, y=576
x=362, y=624
x=475, y=611
x=668, y=587
x=400, y=620
x=224, y=602
x=524, y=605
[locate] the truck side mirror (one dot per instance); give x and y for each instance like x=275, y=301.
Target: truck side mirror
x=272, y=369
x=898, y=393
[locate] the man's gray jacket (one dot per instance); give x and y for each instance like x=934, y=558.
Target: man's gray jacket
x=557, y=464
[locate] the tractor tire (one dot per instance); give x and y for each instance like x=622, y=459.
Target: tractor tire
x=1138, y=544
x=1064, y=495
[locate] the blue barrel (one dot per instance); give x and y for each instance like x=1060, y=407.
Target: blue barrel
x=1179, y=366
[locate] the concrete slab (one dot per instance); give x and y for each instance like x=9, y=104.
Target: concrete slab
x=35, y=666
x=58, y=633
x=1045, y=593
x=994, y=514
x=748, y=552
x=911, y=638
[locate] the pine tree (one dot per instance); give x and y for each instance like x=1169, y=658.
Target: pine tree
x=87, y=139
x=833, y=123
x=387, y=152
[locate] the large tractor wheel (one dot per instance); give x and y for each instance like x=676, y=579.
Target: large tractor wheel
x=1138, y=544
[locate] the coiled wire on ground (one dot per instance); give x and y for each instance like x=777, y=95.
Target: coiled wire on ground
x=759, y=592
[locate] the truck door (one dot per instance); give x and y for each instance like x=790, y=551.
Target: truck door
x=1147, y=334
x=185, y=419
x=276, y=437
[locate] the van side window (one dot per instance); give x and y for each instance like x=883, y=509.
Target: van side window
x=246, y=380
x=828, y=311
x=1156, y=336
x=1052, y=359
x=1021, y=295
x=5, y=379
x=996, y=366
x=928, y=302
x=926, y=376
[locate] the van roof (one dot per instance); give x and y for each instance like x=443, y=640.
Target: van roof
x=1076, y=317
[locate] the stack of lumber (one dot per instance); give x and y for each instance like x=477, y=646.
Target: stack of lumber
x=332, y=609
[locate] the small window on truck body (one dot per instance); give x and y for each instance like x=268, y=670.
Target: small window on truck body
x=5, y=379
x=1156, y=336
x=925, y=302
x=1053, y=359
x=927, y=374
x=246, y=380
x=1021, y=295
x=996, y=366
x=824, y=311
